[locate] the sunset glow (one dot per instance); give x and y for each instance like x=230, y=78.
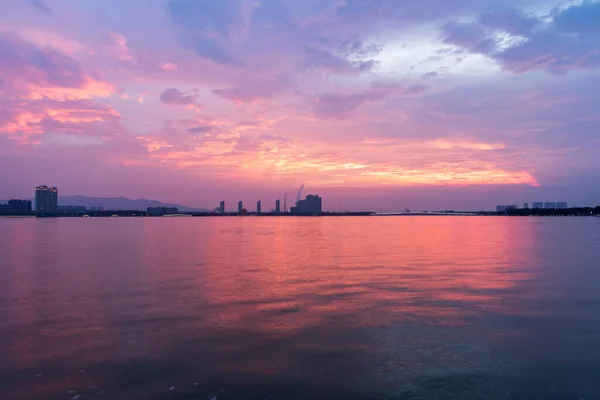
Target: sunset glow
x=270, y=95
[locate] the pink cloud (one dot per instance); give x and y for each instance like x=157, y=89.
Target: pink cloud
x=119, y=48
x=169, y=66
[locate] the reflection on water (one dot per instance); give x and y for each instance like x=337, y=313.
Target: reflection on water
x=286, y=308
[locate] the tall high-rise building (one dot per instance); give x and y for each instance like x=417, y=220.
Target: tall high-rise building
x=278, y=206
x=258, y=207
x=240, y=206
x=46, y=199
x=222, y=207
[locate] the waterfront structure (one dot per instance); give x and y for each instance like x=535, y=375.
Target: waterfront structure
x=162, y=210
x=72, y=209
x=562, y=205
x=550, y=205
x=278, y=206
x=526, y=206
x=46, y=199
x=240, y=207
x=222, y=207
x=258, y=207
x=538, y=204
x=312, y=204
x=504, y=208
x=16, y=207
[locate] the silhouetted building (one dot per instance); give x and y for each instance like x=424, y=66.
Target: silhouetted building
x=526, y=206
x=504, y=208
x=222, y=207
x=312, y=204
x=162, y=210
x=46, y=199
x=562, y=205
x=258, y=207
x=550, y=205
x=16, y=207
x=240, y=207
x=278, y=206
x=538, y=204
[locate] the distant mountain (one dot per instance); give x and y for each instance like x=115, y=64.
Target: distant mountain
x=118, y=203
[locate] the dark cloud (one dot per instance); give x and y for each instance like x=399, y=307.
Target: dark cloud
x=324, y=60
x=212, y=50
x=571, y=41
x=335, y=106
x=208, y=25
x=37, y=66
x=256, y=88
x=200, y=129
x=40, y=6
x=176, y=97
x=469, y=36
x=509, y=20
x=552, y=52
x=211, y=16
x=583, y=19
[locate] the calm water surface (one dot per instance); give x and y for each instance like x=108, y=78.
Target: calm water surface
x=300, y=308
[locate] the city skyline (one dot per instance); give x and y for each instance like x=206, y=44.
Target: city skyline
x=51, y=202
x=373, y=104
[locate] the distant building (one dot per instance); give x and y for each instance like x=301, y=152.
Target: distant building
x=550, y=205
x=562, y=205
x=258, y=207
x=537, y=204
x=16, y=207
x=526, y=206
x=278, y=206
x=46, y=199
x=504, y=208
x=162, y=210
x=222, y=207
x=240, y=207
x=312, y=204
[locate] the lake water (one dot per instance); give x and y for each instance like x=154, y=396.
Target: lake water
x=300, y=308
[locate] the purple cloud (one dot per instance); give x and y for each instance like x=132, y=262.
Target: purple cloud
x=570, y=41
x=469, y=36
x=174, y=96
x=509, y=20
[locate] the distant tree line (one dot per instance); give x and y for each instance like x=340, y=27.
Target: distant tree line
x=544, y=212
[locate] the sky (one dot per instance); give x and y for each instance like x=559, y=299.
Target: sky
x=373, y=104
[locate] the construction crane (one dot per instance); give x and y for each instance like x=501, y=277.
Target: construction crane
x=299, y=195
